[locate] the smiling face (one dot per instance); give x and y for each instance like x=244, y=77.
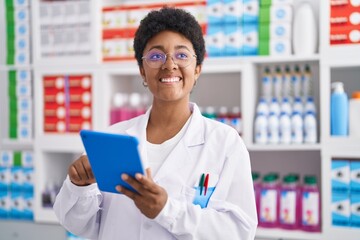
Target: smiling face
x=170, y=82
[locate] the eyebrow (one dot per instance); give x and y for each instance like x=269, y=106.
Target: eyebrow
x=177, y=47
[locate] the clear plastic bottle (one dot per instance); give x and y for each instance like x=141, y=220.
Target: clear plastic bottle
x=296, y=82
x=310, y=105
x=339, y=110
x=276, y=83
x=354, y=115
x=289, y=202
x=285, y=128
x=266, y=83
x=298, y=106
x=286, y=106
x=269, y=201
x=273, y=128
x=296, y=128
x=310, y=128
x=286, y=84
x=275, y=106
x=261, y=126
x=310, y=206
x=262, y=107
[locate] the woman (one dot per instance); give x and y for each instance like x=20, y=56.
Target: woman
x=181, y=150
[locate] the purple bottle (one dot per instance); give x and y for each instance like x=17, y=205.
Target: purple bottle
x=269, y=201
x=257, y=190
x=289, y=214
x=311, y=208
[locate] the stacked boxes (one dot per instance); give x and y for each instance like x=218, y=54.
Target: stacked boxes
x=232, y=27
x=67, y=103
x=345, y=185
x=344, y=22
x=275, y=23
x=17, y=32
x=20, y=104
x=16, y=185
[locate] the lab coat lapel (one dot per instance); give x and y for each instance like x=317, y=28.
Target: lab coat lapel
x=180, y=156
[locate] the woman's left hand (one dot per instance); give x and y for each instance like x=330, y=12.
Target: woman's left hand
x=150, y=198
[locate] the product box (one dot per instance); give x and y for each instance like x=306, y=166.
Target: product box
x=23, y=76
x=134, y=16
x=250, y=11
x=340, y=176
x=16, y=205
x=355, y=177
x=16, y=179
x=214, y=11
x=27, y=159
x=275, y=2
x=114, y=18
x=275, y=13
x=24, y=132
x=279, y=30
x=6, y=158
x=345, y=15
x=5, y=177
x=340, y=209
x=233, y=40
x=233, y=11
x=344, y=35
x=20, y=3
x=5, y=204
x=28, y=179
x=215, y=40
x=355, y=210
x=28, y=210
x=250, y=39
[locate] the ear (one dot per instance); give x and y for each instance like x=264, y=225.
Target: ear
x=142, y=72
x=197, y=71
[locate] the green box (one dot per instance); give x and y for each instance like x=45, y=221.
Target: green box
x=9, y=4
x=17, y=159
x=264, y=47
x=13, y=132
x=264, y=31
x=264, y=14
x=12, y=88
x=13, y=118
x=265, y=2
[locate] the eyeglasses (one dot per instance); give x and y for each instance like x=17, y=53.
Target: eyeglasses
x=156, y=58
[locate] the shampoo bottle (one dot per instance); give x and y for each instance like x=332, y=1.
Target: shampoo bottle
x=339, y=110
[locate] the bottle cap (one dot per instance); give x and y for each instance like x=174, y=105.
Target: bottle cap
x=271, y=177
x=310, y=179
x=356, y=95
x=255, y=175
x=290, y=178
x=338, y=86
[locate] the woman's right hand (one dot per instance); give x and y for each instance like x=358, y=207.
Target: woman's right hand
x=80, y=172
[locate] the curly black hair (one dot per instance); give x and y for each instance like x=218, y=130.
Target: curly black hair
x=173, y=19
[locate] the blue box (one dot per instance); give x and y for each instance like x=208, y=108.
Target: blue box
x=215, y=40
x=250, y=39
x=250, y=11
x=355, y=210
x=233, y=11
x=355, y=177
x=16, y=205
x=16, y=182
x=340, y=176
x=214, y=10
x=28, y=210
x=28, y=181
x=4, y=178
x=340, y=209
x=4, y=204
x=233, y=40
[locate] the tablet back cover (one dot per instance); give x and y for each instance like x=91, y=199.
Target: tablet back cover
x=110, y=155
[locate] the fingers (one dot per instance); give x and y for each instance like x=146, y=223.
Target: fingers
x=80, y=172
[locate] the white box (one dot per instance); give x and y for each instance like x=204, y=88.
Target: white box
x=27, y=159
x=281, y=13
x=280, y=47
x=280, y=30
x=6, y=158
x=23, y=76
x=23, y=89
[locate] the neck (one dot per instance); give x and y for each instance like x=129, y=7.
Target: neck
x=169, y=114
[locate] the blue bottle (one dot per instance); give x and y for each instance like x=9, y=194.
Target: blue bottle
x=339, y=110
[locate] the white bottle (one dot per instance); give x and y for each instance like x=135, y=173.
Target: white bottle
x=286, y=83
x=354, y=115
x=273, y=128
x=261, y=125
x=310, y=128
x=296, y=128
x=286, y=106
x=274, y=107
x=276, y=83
x=310, y=105
x=262, y=107
x=304, y=30
x=298, y=106
x=296, y=82
x=285, y=128
x=266, y=84
x=306, y=82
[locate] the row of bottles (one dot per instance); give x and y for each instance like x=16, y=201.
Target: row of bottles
x=223, y=114
x=126, y=106
x=285, y=122
x=288, y=204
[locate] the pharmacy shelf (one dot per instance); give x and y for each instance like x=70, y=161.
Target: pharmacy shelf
x=287, y=234
x=342, y=147
x=70, y=142
x=8, y=144
x=284, y=147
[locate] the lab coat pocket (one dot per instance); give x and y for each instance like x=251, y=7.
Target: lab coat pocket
x=202, y=197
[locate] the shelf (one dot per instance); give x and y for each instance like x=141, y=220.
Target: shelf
x=9, y=144
x=283, y=147
x=66, y=143
x=342, y=55
x=342, y=146
x=287, y=234
x=345, y=232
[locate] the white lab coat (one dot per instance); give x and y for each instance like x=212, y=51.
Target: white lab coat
x=207, y=147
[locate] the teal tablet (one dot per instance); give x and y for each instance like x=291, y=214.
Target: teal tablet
x=110, y=155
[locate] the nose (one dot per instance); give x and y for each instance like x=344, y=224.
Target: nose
x=169, y=63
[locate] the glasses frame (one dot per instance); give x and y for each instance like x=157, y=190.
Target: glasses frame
x=144, y=57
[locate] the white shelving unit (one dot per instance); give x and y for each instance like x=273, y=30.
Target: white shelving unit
x=233, y=80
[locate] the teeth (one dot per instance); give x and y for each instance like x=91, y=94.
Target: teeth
x=169, y=80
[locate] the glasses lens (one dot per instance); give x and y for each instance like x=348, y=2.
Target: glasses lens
x=155, y=58
x=183, y=58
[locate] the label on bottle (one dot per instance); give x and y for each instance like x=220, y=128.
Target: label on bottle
x=310, y=208
x=268, y=205
x=288, y=207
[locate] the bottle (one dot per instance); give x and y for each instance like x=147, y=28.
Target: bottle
x=210, y=112
x=306, y=82
x=310, y=128
x=262, y=107
x=222, y=115
x=310, y=105
x=273, y=128
x=286, y=84
x=257, y=189
x=276, y=83
x=304, y=38
x=235, y=119
x=117, y=104
x=261, y=126
x=285, y=128
x=310, y=210
x=339, y=110
x=354, y=115
x=275, y=107
x=296, y=128
x=286, y=106
x=269, y=201
x=135, y=103
x=266, y=84
x=289, y=202
x=298, y=106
